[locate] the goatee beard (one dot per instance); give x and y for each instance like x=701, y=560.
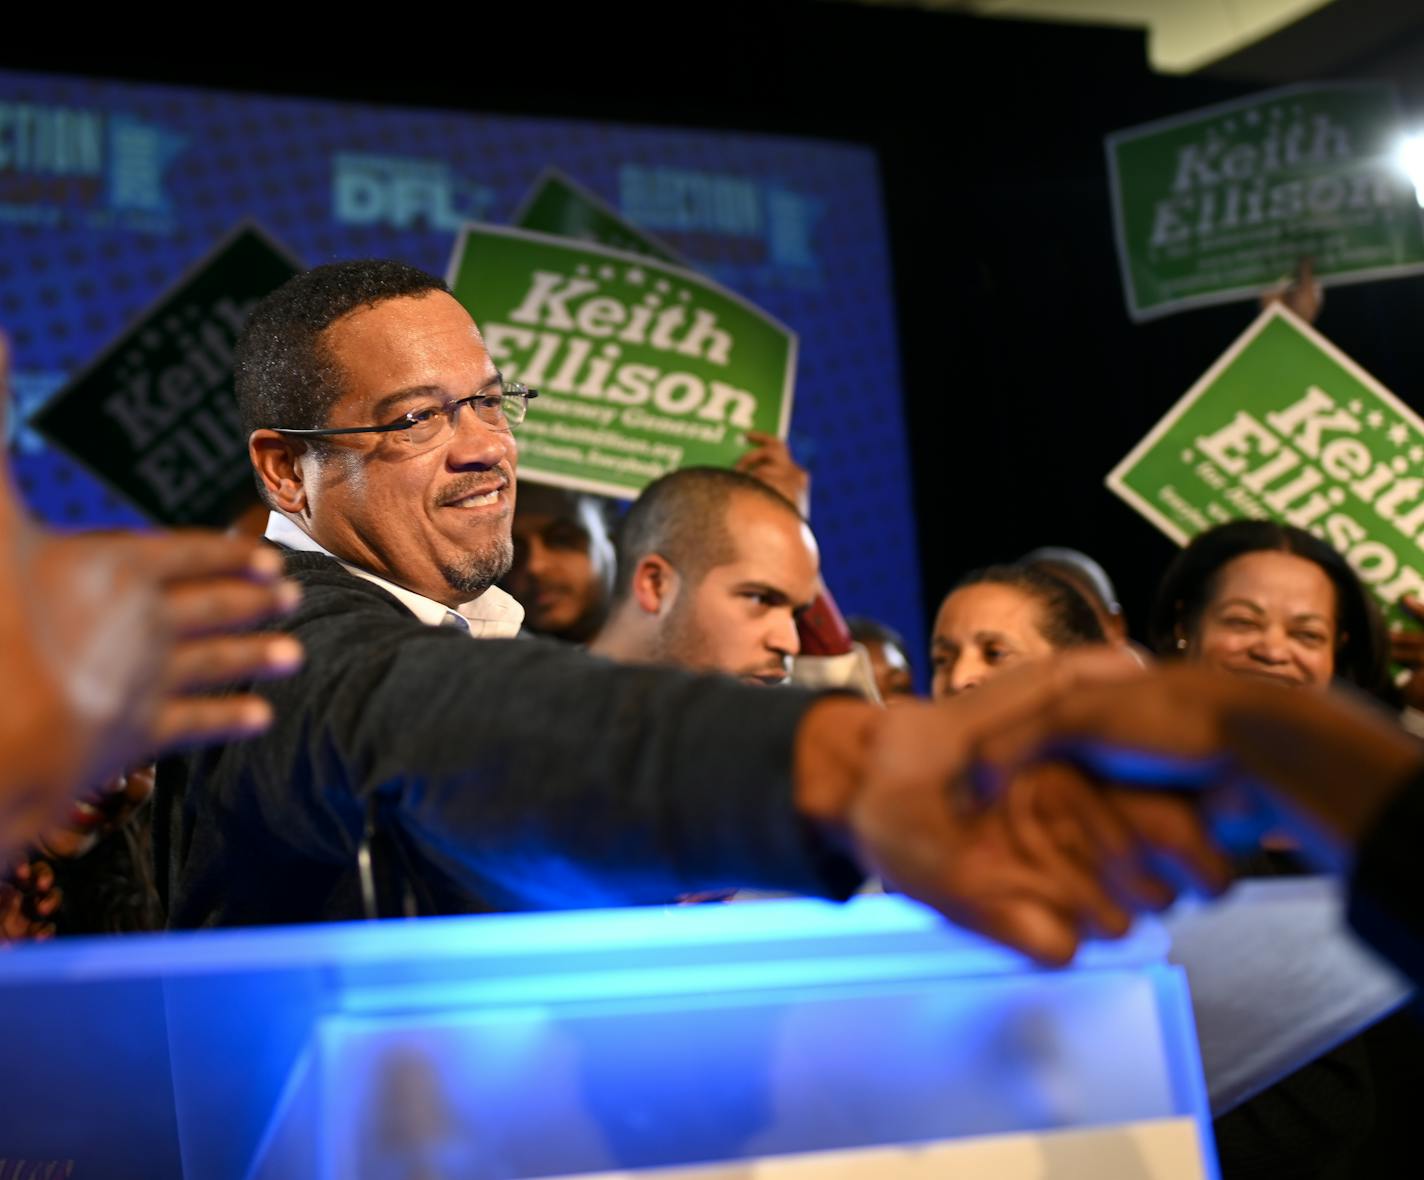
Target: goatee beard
x=477, y=572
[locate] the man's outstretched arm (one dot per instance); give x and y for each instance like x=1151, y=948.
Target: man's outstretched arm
x=531, y=776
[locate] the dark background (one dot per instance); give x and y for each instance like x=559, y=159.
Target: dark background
x=1025, y=381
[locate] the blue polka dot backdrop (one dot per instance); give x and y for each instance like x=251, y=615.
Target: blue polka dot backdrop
x=111, y=192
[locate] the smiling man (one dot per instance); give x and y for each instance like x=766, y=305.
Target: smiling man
x=389, y=484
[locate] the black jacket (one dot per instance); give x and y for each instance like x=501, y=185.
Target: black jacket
x=506, y=774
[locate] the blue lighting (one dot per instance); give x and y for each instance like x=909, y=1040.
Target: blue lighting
x=546, y=1044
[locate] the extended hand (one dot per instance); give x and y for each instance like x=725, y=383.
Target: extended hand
x=1032, y=854
x=1324, y=763
x=111, y=640
x=108, y=642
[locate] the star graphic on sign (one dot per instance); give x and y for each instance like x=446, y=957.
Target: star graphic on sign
x=1187, y=455
x=1229, y=126
x=151, y=339
x=685, y=296
x=607, y=273
x=1356, y=406
x=1374, y=419
x=1399, y=434
x=663, y=286
x=1252, y=118
x=634, y=276
x=581, y=269
x=1416, y=454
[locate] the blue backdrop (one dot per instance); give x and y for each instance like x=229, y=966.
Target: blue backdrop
x=109, y=192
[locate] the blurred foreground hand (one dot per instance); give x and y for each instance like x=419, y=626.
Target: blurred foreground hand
x=108, y=643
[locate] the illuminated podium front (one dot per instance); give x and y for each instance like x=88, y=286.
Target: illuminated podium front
x=773, y=1039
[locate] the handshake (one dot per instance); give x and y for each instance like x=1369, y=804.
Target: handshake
x=1051, y=803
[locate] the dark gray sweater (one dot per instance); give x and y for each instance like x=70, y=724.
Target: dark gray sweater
x=504, y=774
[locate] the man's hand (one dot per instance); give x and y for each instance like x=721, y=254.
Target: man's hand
x=29, y=899
x=1326, y=764
x=97, y=814
x=1303, y=293
x=176, y=605
x=108, y=642
x=770, y=461
x=1035, y=855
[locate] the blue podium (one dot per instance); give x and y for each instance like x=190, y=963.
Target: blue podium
x=764, y=1039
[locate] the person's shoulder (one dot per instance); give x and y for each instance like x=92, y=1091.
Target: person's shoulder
x=327, y=587
x=315, y=567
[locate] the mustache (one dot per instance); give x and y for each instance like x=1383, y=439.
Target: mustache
x=476, y=482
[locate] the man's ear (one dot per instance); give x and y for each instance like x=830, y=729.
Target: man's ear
x=276, y=459
x=655, y=584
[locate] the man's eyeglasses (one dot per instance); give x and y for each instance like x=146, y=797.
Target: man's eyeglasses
x=500, y=405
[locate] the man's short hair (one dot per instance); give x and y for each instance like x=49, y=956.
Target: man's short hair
x=682, y=517
x=283, y=373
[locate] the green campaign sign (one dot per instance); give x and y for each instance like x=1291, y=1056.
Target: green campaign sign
x=642, y=368
x=1287, y=427
x=1215, y=205
x=558, y=205
x=154, y=416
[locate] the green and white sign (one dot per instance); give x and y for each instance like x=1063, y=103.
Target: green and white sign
x=641, y=367
x=1218, y=204
x=1287, y=427
x=558, y=205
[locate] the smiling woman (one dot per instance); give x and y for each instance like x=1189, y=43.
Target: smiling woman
x=1255, y=598
x=1258, y=599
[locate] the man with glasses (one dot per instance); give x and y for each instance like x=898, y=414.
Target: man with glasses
x=390, y=484
x=521, y=774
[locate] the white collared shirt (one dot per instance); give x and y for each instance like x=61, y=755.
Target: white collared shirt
x=493, y=615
